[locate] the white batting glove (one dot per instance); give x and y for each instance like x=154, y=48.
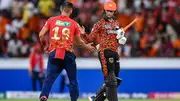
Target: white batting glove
x=122, y=41
x=120, y=33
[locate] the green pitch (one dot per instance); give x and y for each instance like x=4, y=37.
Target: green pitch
x=79, y=100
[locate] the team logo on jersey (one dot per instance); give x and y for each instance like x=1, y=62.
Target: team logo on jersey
x=111, y=60
x=107, y=26
x=61, y=23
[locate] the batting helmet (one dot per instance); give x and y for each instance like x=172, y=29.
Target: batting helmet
x=110, y=5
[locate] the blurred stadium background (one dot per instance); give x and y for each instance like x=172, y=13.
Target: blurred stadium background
x=150, y=63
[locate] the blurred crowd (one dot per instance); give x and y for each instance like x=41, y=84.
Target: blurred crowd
x=156, y=33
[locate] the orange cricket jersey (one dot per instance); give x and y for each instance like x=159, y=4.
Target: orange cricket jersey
x=100, y=31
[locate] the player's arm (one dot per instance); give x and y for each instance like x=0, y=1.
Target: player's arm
x=79, y=41
x=42, y=36
x=93, y=35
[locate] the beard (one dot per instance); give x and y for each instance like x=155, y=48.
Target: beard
x=109, y=17
x=106, y=18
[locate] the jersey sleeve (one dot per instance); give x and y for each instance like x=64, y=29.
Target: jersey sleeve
x=77, y=31
x=47, y=24
x=94, y=33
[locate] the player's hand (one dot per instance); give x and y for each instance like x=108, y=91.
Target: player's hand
x=90, y=48
x=46, y=49
x=120, y=33
x=122, y=41
x=82, y=29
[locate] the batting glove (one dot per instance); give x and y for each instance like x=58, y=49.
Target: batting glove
x=120, y=33
x=122, y=41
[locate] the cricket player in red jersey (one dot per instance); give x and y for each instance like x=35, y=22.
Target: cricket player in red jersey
x=36, y=68
x=62, y=32
x=108, y=34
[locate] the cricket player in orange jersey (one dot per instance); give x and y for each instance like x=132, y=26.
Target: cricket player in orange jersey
x=108, y=34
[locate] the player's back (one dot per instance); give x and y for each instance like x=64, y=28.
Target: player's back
x=62, y=30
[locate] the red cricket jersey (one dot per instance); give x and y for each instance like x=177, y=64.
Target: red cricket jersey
x=61, y=33
x=36, y=61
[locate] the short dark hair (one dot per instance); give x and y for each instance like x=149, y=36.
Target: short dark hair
x=67, y=5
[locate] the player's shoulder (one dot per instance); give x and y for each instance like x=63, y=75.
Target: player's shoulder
x=50, y=19
x=116, y=21
x=73, y=22
x=53, y=18
x=67, y=19
x=99, y=23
